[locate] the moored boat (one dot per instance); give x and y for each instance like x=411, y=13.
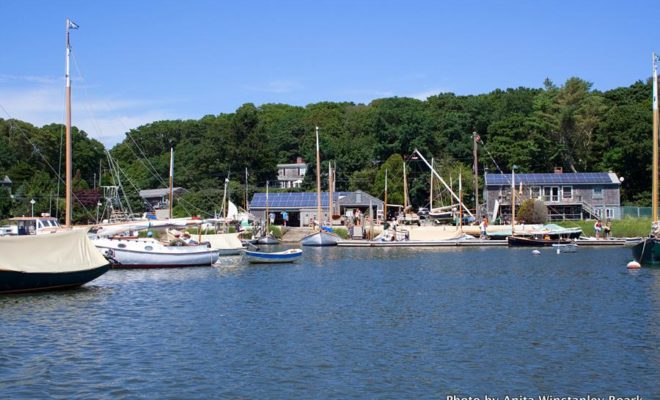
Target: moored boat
x=63, y=260
x=320, y=238
x=535, y=241
x=150, y=253
x=286, y=256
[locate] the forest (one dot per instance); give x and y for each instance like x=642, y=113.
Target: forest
x=571, y=126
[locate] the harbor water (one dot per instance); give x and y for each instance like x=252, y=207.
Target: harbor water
x=345, y=323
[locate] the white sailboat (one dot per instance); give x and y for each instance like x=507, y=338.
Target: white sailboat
x=321, y=237
x=129, y=252
x=55, y=261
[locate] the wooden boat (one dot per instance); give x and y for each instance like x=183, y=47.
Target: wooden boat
x=286, y=256
x=320, y=238
x=64, y=259
x=47, y=262
x=268, y=239
x=535, y=241
x=150, y=253
x=647, y=252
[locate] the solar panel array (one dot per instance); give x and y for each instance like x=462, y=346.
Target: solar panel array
x=580, y=178
x=291, y=200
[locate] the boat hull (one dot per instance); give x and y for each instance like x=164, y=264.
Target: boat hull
x=288, y=256
x=647, y=252
x=136, y=254
x=268, y=240
x=518, y=241
x=25, y=282
x=321, y=238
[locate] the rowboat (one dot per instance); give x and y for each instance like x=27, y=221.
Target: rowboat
x=286, y=256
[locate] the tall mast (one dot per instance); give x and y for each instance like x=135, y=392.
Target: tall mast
x=67, y=217
x=318, y=178
x=513, y=198
x=385, y=202
x=460, y=196
x=246, y=190
x=405, y=189
x=330, y=191
x=431, y=192
x=654, y=202
x=267, y=213
x=171, y=180
x=475, y=170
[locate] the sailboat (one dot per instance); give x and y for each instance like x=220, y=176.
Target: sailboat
x=129, y=252
x=54, y=261
x=322, y=237
x=647, y=252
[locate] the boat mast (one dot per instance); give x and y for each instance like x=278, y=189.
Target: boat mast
x=654, y=202
x=405, y=189
x=67, y=216
x=460, y=196
x=318, y=179
x=330, y=191
x=246, y=190
x=431, y=194
x=513, y=198
x=171, y=179
x=475, y=169
x=267, y=214
x=385, y=202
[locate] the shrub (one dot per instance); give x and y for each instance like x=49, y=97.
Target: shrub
x=532, y=212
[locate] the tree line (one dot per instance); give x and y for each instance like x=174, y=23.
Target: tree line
x=571, y=126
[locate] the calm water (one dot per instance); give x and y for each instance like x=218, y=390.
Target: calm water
x=345, y=323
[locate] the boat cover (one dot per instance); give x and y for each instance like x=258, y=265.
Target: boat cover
x=58, y=252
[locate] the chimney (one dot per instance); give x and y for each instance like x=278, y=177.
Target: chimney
x=559, y=170
x=299, y=160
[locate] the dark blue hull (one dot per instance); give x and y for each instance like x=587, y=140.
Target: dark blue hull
x=22, y=282
x=647, y=252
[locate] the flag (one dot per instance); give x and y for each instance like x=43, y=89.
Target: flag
x=73, y=25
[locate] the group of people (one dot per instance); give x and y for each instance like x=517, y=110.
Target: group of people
x=606, y=229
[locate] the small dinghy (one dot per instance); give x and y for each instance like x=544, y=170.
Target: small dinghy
x=565, y=247
x=286, y=256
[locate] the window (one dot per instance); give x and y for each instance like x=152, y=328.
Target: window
x=148, y=248
x=121, y=245
x=547, y=191
x=535, y=192
x=597, y=193
x=567, y=192
x=609, y=213
x=551, y=193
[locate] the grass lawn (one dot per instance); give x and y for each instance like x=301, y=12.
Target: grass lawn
x=628, y=227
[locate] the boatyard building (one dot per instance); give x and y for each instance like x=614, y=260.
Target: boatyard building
x=568, y=196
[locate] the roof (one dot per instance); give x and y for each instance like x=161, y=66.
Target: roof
x=6, y=180
x=578, y=178
x=308, y=200
x=150, y=193
x=292, y=165
x=358, y=198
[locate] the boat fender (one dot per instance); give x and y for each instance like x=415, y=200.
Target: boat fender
x=634, y=265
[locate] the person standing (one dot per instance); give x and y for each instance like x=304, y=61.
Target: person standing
x=598, y=226
x=607, y=229
x=483, y=227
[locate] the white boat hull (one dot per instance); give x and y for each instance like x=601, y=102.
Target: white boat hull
x=321, y=238
x=287, y=256
x=149, y=253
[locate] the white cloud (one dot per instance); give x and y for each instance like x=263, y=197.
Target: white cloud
x=104, y=119
x=425, y=94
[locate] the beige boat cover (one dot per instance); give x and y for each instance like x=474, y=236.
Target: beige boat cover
x=58, y=252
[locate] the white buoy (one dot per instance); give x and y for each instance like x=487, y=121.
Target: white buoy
x=558, y=250
x=634, y=265
x=536, y=252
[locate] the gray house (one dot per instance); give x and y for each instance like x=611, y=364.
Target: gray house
x=159, y=199
x=569, y=196
x=301, y=207
x=291, y=175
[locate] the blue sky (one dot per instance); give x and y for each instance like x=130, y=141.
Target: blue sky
x=141, y=61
